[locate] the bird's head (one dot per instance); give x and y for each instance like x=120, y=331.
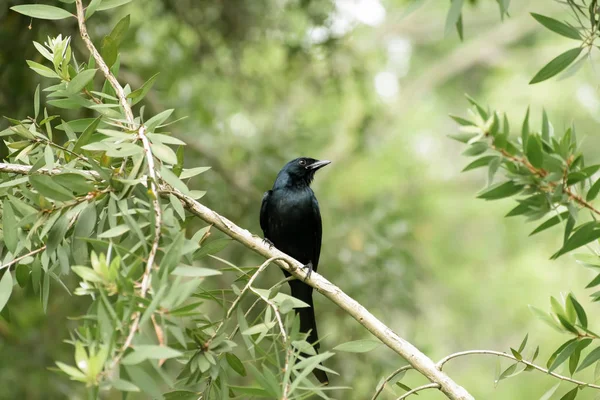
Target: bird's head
x=301, y=170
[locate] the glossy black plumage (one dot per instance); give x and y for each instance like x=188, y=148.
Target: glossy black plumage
x=290, y=218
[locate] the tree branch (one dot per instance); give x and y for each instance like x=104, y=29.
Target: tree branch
x=416, y=358
x=153, y=182
x=388, y=379
x=418, y=389
x=443, y=361
x=16, y=260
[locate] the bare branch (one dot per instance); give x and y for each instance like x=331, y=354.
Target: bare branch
x=443, y=361
x=388, y=379
x=418, y=389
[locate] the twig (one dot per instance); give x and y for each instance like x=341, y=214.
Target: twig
x=16, y=260
x=414, y=356
x=239, y=298
x=153, y=190
x=275, y=310
x=418, y=389
x=388, y=379
x=443, y=361
x=25, y=169
x=543, y=173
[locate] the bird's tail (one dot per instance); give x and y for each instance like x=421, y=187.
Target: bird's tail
x=309, y=324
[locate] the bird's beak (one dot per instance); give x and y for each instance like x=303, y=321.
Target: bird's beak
x=318, y=164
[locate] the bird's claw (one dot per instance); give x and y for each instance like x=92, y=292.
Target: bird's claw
x=310, y=270
x=268, y=242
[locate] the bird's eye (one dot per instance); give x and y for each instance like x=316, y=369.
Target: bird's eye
x=302, y=162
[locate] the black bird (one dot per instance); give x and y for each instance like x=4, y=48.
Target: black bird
x=291, y=221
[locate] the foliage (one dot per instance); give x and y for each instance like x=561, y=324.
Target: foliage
x=88, y=205
x=110, y=278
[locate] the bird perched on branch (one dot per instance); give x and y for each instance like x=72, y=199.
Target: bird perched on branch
x=291, y=221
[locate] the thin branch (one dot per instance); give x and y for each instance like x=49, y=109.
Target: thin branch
x=153, y=189
x=16, y=260
x=275, y=310
x=414, y=356
x=25, y=169
x=443, y=361
x=418, y=389
x=388, y=379
x=239, y=297
x=543, y=173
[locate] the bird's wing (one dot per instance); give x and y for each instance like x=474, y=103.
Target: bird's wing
x=264, y=218
x=318, y=233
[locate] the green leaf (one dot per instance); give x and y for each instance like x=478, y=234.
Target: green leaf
x=480, y=162
x=453, y=15
x=173, y=180
x=87, y=274
x=9, y=222
x=236, y=364
x=42, y=70
x=164, y=153
x=36, y=102
x=108, y=4
x=550, y=222
x=91, y=8
x=212, y=247
x=80, y=81
x=462, y=121
x=593, y=192
x=152, y=352
x=164, y=139
x=114, y=232
x=250, y=391
x=186, y=395
x=73, y=372
x=523, y=343
x=42, y=11
x=195, y=272
x=563, y=355
x=581, y=315
x=158, y=119
x=500, y=190
x=109, y=50
x=358, y=346
x=556, y=65
x=120, y=29
x=585, y=234
x=188, y=173
x=557, y=26
x=476, y=149
x=57, y=233
x=591, y=358
x=6, y=287
x=525, y=129
x=22, y=274
x=139, y=94
x=550, y=392
x=76, y=182
x=534, y=151
x=124, y=385
x=571, y=394
x=47, y=187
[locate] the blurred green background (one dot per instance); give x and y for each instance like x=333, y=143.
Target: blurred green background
x=367, y=84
